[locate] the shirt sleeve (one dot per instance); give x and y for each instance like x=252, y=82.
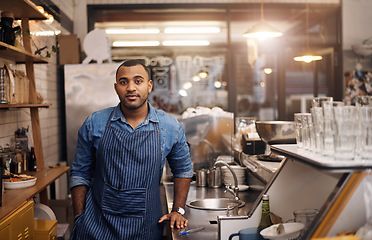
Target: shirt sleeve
x=82, y=169
x=179, y=157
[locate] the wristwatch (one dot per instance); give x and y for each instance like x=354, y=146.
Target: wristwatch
x=180, y=211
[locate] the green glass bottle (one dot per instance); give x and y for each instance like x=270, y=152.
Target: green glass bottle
x=265, y=217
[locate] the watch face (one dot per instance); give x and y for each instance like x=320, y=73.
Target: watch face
x=181, y=211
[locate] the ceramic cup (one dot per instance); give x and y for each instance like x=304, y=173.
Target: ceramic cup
x=246, y=234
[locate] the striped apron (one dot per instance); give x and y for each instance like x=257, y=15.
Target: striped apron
x=123, y=201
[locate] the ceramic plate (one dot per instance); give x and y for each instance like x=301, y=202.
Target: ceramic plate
x=20, y=184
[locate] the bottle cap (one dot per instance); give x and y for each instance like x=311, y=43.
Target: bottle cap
x=265, y=197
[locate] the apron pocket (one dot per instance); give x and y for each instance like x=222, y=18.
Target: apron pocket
x=124, y=202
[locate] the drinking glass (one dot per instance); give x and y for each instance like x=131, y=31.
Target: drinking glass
x=345, y=132
x=365, y=132
x=317, y=101
x=311, y=132
x=317, y=115
x=298, y=118
x=305, y=216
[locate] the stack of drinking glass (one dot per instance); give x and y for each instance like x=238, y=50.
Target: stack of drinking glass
x=335, y=130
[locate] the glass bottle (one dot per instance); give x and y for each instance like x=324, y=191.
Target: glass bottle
x=4, y=87
x=265, y=217
x=32, y=160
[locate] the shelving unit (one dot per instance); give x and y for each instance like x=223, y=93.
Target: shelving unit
x=15, y=199
x=26, y=10
x=22, y=105
x=18, y=55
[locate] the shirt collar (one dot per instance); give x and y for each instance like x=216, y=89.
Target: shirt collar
x=152, y=116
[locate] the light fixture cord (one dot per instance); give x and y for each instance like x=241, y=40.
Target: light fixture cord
x=307, y=24
x=262, y=16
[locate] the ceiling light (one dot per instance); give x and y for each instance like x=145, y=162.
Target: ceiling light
x=268, y=71
x=203, y=73
x=308, y=56
x=192, y=30
x=133, y=31
x=187, y=85
x=217, y=84
x=183, y=93
x=262, y=29
x=135, y=43
x=196, y=78
x=186, y=43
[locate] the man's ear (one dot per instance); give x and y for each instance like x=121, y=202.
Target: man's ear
x=115, y=88
x=150, y=85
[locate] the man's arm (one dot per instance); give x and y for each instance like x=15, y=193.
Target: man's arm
x=181, y=189
x=78, y=194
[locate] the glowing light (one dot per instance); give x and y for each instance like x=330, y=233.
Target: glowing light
x=183, y=93
x=196, y=78
x=133, y=31
x=268, y=71
x=192, y=30
x=186, y=43
x=135, y=43
x=217, y=84
x=187, y=85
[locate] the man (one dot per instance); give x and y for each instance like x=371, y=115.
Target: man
x=118, y=164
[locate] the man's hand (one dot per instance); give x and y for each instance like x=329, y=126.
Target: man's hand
x=175, y=220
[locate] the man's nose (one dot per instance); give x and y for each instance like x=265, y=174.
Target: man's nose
x=131, y=86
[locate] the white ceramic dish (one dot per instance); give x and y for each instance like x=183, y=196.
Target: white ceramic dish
x=291, y=231
x=21, y=184
x=256, y=187
x=243, y=188
x=226, y=158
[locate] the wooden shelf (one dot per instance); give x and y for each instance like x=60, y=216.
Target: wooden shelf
x=22, y=9
x=18, y=55
x=24, y=105
x=14, y=198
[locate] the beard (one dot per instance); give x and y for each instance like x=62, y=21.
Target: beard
x=136, y=104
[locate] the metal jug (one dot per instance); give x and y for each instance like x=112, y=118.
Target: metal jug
x=201, y=178
x=214, y=177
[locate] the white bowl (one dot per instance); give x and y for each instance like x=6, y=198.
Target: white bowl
x=291, y=231
x=20, y=184
x=362, y=49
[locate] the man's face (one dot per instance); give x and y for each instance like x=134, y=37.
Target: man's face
x=133, y=86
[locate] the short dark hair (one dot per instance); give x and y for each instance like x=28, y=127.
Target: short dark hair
x=131, y=63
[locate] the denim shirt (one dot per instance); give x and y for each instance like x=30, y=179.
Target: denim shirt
x=172, y=136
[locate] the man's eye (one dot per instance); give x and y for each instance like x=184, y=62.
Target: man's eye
x=123, y=82
x=139, y=81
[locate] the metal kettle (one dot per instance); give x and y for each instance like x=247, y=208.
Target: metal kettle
x=214, y=176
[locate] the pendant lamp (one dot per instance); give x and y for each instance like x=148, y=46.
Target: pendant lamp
x=262, y=29
x=308, y=56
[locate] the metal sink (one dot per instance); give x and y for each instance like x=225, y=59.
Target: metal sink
x=216, y=204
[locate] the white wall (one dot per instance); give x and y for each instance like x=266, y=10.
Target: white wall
x=356, y=20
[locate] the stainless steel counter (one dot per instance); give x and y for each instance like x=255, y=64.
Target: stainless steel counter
x=206, y=218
